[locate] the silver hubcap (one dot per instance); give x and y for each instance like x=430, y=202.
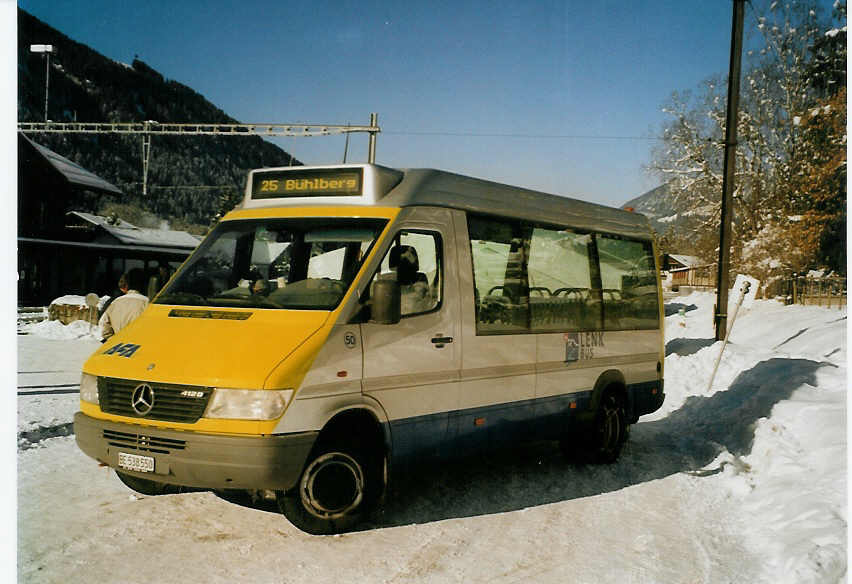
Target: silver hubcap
x=332, y=485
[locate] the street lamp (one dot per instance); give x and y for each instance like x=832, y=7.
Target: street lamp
x=46, y=50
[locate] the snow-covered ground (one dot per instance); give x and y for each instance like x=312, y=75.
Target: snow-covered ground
x=741, y=482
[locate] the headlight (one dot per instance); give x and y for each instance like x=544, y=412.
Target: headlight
x=89, y=388
x=248, y=404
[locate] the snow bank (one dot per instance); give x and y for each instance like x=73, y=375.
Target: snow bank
x=53, y=329
x=789, y=477
x=76, y=300
x=71, y=300
x=796, y=484
x=744, y=481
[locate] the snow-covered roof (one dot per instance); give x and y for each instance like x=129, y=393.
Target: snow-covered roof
x=687, y=260
x=144, y=236
x=129, y=234
x=73, y=172
x=102, y=221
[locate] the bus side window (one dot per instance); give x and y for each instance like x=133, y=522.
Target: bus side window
x=499, y=249
x=629, y=284
x=560, y=281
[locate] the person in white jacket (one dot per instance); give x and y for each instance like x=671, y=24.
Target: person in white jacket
x=124, y=309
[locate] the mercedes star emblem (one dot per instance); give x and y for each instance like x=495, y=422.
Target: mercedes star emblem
x=142, y=399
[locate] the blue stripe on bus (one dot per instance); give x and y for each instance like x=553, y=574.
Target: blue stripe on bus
x=464, y=432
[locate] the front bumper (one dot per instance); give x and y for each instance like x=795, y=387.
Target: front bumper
x=199, y=460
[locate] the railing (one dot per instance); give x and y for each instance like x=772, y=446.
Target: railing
x=165, y=128
x=829, y=292
x=28, y=314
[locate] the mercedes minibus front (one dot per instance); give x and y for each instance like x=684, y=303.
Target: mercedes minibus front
x=194, y=393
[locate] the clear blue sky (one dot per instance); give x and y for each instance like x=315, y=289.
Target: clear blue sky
x=556, y=96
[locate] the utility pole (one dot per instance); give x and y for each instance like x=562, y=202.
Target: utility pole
x=45, y=50
x=722, y=277
x=374, y=124
x=346, y=148
x=146, y=156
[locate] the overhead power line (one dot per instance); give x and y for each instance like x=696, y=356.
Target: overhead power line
x=516, y=135
x=150, y=127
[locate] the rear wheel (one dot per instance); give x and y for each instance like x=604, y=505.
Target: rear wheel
x=602, y=440
x=337, y=488
x=610, y=429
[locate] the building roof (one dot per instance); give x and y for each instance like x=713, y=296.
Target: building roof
x=75, y=174
x=118, y=247
x=129, y=234
x=687, y=260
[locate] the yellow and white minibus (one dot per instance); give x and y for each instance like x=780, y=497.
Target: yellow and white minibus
x=347, y=320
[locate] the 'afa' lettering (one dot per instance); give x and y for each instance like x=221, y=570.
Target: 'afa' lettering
x=122, y=349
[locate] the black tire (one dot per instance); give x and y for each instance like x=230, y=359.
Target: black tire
x=610, y=429
x=601, y=441
x=338, y=487
x=147, y=486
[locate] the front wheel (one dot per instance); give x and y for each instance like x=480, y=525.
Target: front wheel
x=335, y=491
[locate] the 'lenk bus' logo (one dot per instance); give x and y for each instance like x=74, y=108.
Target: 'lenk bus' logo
x=581, y=346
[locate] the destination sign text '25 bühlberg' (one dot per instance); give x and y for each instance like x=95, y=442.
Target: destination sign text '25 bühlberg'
x=307, y=183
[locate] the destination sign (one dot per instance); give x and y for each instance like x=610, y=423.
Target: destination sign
x=324, y=182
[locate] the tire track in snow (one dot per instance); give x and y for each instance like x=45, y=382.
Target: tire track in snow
x=31, y=438
x=42, y=389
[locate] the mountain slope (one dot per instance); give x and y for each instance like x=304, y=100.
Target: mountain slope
x=85, y=86
x=656, y=206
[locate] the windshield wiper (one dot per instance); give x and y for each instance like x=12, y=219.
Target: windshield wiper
x=186, y=298
x=246, y=301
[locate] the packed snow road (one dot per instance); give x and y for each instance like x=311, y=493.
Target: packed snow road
x=741, y=482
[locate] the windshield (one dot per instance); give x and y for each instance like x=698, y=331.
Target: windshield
x=305, y=263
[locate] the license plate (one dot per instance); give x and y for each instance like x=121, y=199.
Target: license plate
x=136, y=462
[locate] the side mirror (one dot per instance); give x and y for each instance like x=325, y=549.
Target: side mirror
x=386, y=302
x=153, y=287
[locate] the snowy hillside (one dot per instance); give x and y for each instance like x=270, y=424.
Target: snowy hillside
x=657, y=205
x=741, y=482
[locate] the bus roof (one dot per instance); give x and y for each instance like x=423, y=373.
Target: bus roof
x=370, y=184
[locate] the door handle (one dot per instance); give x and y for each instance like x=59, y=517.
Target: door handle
x=440, y=341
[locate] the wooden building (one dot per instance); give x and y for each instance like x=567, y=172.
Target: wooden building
x=62, y=250
x=685, y=270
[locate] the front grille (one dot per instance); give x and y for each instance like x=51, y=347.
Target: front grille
x=172, y=403
x=142, y=442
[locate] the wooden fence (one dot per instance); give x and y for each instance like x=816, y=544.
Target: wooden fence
x=829, y=292
x=696, y=276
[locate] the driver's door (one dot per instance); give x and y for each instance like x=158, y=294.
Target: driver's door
x=412, y=367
